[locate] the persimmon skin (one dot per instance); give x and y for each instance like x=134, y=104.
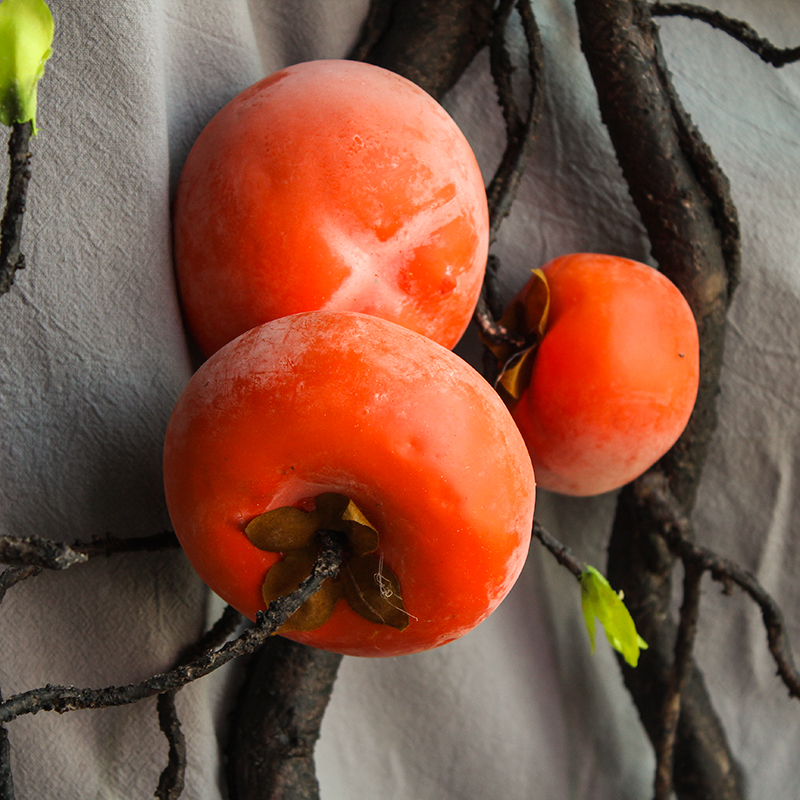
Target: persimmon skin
x=354, y=404
x=615, y=378
x=331, y=185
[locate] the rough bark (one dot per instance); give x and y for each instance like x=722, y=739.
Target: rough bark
x=684, y=203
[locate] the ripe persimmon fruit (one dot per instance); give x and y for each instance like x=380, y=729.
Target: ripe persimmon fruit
x=347, y=421
x=331, y=185
x=615, y=377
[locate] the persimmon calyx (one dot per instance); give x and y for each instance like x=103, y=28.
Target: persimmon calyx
x=364, y=581
x=526, y=319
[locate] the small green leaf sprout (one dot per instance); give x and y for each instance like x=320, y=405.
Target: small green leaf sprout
x=599, y=600
x=26, y=36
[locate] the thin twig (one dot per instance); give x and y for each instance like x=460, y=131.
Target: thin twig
x=6, y=776
x=37, y=551
x=68, y=698
x=739, y=30
x=520, y=137
x=172, y=780
x=677, y=531
x=173, y=777
x=560, y=551
x=14, y=575
x=11, y=257
x=521, y=134
x=679, y=676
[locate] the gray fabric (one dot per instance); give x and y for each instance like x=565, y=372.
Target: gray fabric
x=93, y=356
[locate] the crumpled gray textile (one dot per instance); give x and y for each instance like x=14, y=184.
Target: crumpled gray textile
x=93, y=356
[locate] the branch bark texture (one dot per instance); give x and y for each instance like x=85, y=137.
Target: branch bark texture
x=277, y=722
x=684, y=202
x=11, y=257
x=431, y=43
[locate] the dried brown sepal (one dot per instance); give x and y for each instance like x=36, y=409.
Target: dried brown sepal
x=373, y=591
x=370, y=587
x=525, y=318
x=284, y=529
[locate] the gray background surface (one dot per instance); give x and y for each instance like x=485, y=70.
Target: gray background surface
x=93, y=356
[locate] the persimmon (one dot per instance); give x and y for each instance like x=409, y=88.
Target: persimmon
x=613, y=382
x=345, y=421
x=331, y=185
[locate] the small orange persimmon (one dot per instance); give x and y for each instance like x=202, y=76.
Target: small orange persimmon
x=344, y=420
x=615, y=377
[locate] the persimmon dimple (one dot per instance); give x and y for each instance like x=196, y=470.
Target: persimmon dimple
x=615, y=378
x=331, y=185
x=345, y=421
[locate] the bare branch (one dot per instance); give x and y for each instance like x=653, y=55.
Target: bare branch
x=684, y=202
x=277, y=722
x=560, y=551
x=739, y=30
x=6, y=776
x=520, y=134
x=171, y=782
x=428, y=43
x=37, y=551
x=653, y=490
x=68, y=698
x=14, y=575
x=679, y=676
x=11, y=257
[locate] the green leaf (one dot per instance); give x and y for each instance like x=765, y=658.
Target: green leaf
x=26, y=36
x=599, y=600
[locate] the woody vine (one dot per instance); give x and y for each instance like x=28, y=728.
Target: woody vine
x=684, y=202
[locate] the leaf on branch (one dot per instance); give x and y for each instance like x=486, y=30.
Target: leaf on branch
x=599, y=600
x=26, y=36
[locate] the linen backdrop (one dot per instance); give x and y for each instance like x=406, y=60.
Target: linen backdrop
x=93, y=356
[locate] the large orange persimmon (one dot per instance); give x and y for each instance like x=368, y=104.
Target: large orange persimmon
x=301, y=412
x=615, y=377
x=330, y=185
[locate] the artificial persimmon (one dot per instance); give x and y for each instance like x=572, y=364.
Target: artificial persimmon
x=331, y=185
x=614, y=380
x=347, y=422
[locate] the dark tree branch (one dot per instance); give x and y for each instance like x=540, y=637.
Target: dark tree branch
x=520, y=138
x=739, y=30
x=676, y=528
x=685, y=205
x=428, y=42
x=277, y=722
x=69, y=698
x=11, y=257
x=14, y=575
x=520, y=133
x=35, y=551
x=679, y=675
x=560, y=551
x=171, y=782
x=6, y=775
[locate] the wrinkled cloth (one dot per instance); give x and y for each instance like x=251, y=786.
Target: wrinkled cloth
x=93, y=356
